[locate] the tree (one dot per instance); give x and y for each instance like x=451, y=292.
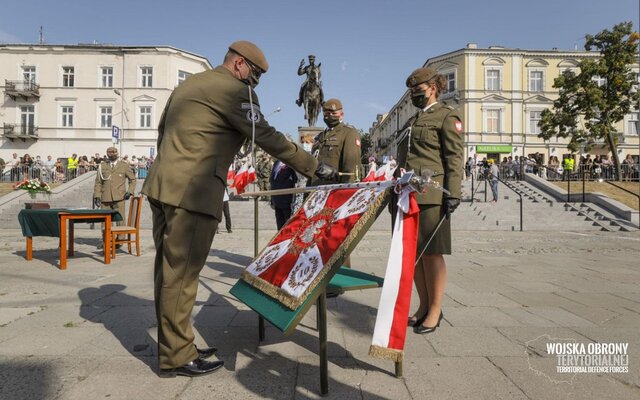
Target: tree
x=365, y=147
x=592, y=101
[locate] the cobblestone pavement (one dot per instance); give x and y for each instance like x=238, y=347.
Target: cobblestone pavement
x=89, y=332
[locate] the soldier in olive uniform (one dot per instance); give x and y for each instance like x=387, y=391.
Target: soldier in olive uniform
x=110, y=190
x=338, y=145
x=434, y=143
x=263, y=172
x=204, y=124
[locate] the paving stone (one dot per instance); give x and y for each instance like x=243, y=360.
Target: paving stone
x=471, y=342
x=479, y=316
x=430, y=378
x=541, y=381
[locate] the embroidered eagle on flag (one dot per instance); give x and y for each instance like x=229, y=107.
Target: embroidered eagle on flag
x=297, y=259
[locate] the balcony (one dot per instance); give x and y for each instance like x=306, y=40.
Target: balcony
x=22, y=132
x=21, y=89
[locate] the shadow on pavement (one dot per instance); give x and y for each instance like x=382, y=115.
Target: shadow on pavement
x=127, y=317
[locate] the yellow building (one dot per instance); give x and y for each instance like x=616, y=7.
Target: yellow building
x=501, y=93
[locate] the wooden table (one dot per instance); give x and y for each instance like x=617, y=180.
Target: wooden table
x=54, y=222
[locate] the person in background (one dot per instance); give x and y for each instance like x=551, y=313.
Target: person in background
x=282, y=177
x=493, y=180
x=110, y=191
x=72, y=166
x=226, y=212
x=49, y=169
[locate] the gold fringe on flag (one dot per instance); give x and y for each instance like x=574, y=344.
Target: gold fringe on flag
x=386, y=353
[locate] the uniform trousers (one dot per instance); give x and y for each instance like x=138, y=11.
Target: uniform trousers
x=119, y=207
x=183, y=239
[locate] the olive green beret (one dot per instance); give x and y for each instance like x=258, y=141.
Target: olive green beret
x=419, y=76
x=332, y=105
x=251, y=52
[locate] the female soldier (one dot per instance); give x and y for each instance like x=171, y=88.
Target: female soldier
x=434, y=145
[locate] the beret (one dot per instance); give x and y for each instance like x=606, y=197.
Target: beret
x=332, y=105
x=251, y=52
x=419, y=76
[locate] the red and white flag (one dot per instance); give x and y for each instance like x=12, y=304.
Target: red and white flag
x=384, y=173
x=311, y=242
x=231, y=174
x=393, y=310
x=240, y=181
x=251, y=177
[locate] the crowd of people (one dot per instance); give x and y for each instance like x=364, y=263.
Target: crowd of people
x=62, y=169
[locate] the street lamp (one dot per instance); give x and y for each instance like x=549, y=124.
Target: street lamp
x=123, y=115
x=278, y=109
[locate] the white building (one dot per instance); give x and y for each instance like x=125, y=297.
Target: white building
x=500, y=94
x=64, y=99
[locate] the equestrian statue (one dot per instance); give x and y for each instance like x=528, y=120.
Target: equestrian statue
x=311, y=96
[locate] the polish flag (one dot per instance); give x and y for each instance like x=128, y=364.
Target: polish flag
x=231, y=174
x=384, y=173
x=251, y=175
x=241, y=179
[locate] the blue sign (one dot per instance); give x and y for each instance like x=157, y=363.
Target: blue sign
x=115, y=133
x=152, y=151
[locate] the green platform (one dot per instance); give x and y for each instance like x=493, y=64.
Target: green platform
x=287, y=319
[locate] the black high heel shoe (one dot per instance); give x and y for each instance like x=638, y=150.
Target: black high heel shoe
x=420, y=329
x=416, y=322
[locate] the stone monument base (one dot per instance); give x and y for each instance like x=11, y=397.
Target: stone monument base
x=309, y=130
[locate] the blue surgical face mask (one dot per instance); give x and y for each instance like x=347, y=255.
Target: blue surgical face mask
x=307, y=147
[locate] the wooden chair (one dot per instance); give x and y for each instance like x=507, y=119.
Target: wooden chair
x=132, y=228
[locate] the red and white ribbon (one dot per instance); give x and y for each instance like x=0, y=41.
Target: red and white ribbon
x=391, y=322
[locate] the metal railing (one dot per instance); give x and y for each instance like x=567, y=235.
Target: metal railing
x=57, y=173
x=21, y=88
x=19, y=130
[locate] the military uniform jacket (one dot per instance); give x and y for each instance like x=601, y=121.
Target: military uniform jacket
x=339, y=147
x=204, y=124
x=435, y=143
x=111, y=182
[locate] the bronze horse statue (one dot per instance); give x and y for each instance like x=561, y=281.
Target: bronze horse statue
x=312, y=98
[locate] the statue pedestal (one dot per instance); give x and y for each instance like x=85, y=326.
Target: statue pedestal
x=309, y=130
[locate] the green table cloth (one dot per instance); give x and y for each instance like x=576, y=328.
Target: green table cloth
x=47, y=222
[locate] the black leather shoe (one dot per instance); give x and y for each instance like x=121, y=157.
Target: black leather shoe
x=197, y=367
x=207, y=352
x=229, y=230
x=421, y=329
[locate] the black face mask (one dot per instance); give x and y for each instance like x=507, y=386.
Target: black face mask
x=254, y=77
x=419, y=99
x=331, y=121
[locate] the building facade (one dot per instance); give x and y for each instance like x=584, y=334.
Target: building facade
x=501, y=94
x=65, y=99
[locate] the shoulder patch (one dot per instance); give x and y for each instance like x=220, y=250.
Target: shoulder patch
x=247, y=106
x=458, y=126
x=358, y=142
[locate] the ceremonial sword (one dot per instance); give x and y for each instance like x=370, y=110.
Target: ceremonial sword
x=409, y=178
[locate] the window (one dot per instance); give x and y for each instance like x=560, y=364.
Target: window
x=182, y=75
x=493, y=121
x=68, y=76
x=536, y=83
x=29, y=74
x=27, y=120
x=146, y=73
x=534, y=118
x=105, y=116
x=145, y=117
x=450, y=78
x=67, y=116
x=632, y=128
x=599, y=81
x=493, y=79
x=107, y=77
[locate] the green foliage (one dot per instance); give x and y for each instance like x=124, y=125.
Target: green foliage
x=585, y=111
x=365, y=147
